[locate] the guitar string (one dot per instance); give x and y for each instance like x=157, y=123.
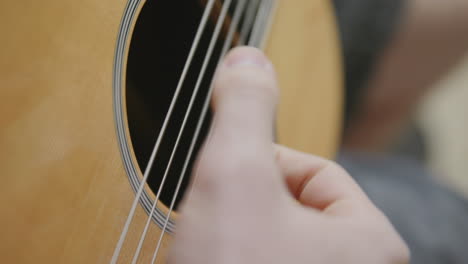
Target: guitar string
x=260, y=45
x=249, y=20
x=274, y=4
x=200, y=30
x=207, y=101
x=247, y=27
x=156, y=147
x=211, y=47
x=263, y=19
x=260, y=23
x=227, y=44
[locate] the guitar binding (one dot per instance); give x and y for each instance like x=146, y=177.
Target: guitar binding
x=152, y=47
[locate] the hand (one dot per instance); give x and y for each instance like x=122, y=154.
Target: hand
x=255, y=202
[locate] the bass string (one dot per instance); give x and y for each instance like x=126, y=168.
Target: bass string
x=211, y=47
x=249, y=20
x=264, y=22
x=258, y=27
x=265, y=12
x=227, y=44
x=272, y=9
x=247, y=25
x=208, y=99
x=267, y=24
x=236, y=18
x=200, y=30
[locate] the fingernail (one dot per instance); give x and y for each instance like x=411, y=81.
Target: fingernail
x=249, y=60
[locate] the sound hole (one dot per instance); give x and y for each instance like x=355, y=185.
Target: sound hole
x=159, y=47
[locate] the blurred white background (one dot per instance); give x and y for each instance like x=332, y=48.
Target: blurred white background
x=443, y=117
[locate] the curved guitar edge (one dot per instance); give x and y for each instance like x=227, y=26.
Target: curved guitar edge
x=65, y=194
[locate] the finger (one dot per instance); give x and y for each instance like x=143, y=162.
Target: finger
x=245, y=97
x=239, y=153
x=320, y=183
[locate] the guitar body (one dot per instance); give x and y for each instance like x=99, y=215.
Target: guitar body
x=65, y=192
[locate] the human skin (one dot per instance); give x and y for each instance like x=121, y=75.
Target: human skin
x=256, y=202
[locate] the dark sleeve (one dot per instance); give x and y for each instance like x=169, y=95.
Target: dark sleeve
x=432, y=219
x=365, y=27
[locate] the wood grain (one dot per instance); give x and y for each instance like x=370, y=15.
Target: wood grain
x=64, y=195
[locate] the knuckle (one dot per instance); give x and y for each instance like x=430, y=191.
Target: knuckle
x=336, y=168
x=393, y=248
x=332, y=168
x=402, y=254
x=397, y=253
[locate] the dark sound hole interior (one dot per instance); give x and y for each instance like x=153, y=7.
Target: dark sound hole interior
x=160, y=44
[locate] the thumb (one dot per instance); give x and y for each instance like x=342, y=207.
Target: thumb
x=239, y=154
x=245, y=97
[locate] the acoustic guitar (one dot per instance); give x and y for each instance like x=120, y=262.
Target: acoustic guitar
x=104, y=105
